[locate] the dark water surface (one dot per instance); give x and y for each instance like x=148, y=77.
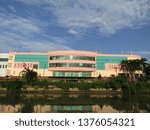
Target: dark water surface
x=58, y=103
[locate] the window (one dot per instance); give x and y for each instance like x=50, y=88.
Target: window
x=71, y=74
x=9, y=65
x=15, y=65
x=3, y=59
x=10, y=57
x=84, y=65
x=30, y=65
x=35, y=66
x=8, y=72
x=21, y=65
x=72, y=58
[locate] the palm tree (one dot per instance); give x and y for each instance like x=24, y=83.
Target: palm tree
x=131, y=66
x=146, y=72
x=141, y=64
x=124, y=66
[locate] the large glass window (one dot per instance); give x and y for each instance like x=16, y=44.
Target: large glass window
x=85, y=65
x=3, y=59
x=71, y=74
x=72, y=58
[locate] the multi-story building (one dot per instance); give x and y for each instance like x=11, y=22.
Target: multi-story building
x=67, y=63
x=33, y=60
x=71, y=63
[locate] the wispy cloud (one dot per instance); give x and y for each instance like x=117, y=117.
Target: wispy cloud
x=144, y=54
x=44, y=46
x=108, y=16
x=15, y=23
x=12, y=9
x=11, y=41
x=32, y=27
x=25, y=33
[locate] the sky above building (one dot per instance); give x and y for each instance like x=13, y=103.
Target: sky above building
x=107, y=26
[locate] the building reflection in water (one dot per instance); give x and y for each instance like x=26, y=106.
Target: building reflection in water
x=58, y=108
x=73, y=103
x=10, y=109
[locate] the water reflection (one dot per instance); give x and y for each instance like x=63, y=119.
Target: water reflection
x=40, y=103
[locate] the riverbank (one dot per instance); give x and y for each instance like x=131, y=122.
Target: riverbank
x=114, y=85
x=31, y=90
x=111, y=92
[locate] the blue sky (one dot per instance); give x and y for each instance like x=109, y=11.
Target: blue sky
x=107, y=26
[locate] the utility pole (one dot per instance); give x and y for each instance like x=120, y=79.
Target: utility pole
x=44, y=70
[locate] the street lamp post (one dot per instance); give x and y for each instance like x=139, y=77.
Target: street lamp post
x=44, y=70
x=116, y=70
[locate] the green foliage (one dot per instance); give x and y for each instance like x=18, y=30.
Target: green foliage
x=13, y=86
x=29, y=75
x=137, y=88
x=146, y=72
x=27, y=107
x=118, y=82
x=43, y=83
x=131, y=66
x=115, y=82
x=99, y=77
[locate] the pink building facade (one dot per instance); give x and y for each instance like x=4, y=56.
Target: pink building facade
x=67, y=63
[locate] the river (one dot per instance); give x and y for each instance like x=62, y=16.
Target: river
x=79, y=103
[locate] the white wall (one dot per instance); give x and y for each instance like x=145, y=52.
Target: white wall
x=3, y=64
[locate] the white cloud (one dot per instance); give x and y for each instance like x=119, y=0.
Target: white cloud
x=11, y=41
x=44, y=46
x=22, y=34
x=108, y=16
x=16, y=23
x=34, y=2
x=12, y=9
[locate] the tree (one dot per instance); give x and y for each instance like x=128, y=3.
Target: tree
x=146, y=72
x=124, y=66
x=131, y=66
x=28, y=74
x=140, y=64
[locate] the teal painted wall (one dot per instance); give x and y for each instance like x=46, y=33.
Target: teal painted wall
x=42, y=59
x=102, y=60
